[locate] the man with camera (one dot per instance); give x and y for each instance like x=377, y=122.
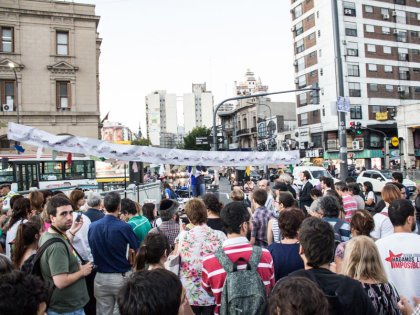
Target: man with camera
x=58, y=263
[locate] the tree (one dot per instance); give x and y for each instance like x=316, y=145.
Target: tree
x=142, y=141
x=189, y=139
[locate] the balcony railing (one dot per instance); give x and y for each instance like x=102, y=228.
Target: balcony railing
x=242, y=131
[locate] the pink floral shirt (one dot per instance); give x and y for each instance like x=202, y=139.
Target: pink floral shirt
x=193, y=246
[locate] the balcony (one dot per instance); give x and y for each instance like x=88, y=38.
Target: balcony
x=242, y=132
x=253, y=129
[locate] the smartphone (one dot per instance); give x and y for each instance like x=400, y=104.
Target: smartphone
x=79, y=216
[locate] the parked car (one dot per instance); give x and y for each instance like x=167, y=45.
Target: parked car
x=209, y=176
x=315, y=171
x=380, y=178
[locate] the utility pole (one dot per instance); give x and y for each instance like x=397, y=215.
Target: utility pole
x=342, y=130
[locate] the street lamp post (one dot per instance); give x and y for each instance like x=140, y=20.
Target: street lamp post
x=245, y=97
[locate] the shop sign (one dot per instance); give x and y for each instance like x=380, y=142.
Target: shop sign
x=314, y=153
x=381, y=116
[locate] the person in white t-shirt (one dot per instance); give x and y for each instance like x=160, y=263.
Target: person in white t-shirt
x=383, y=225
x=400, y=252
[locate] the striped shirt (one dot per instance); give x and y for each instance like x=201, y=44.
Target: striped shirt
x=349, y=205
x=213, y=275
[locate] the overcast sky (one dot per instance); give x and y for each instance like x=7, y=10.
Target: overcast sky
x=170, y=44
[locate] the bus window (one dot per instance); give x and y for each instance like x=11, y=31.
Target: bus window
x=90, y=169
x=51, y=170
x=6, y=175
x=76, y=170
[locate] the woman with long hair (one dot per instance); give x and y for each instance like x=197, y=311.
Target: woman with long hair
x=362, y=262
x=150, y=212
x=77, y=198
x=383, y=225
x=370, y=199
x=153, y=253
x=168, y=192
x=26, y=243
x=36, y=198
x=214, y=206
x=20, y=214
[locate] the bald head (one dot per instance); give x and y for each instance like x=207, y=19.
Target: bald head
x=264, y=184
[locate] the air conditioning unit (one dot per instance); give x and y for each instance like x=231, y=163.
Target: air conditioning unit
x=295, y=63
x=355, y=145
x=293, y=28
x=7, y=107
x=64, y=102
x=332, y=144
x=385, y=16
x=394, y=13
x=400, y=89
x=395, y=31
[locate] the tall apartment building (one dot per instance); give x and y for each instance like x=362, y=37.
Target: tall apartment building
x=380, y=50
x=161, y=118
x=54, y=48
x=198, y=108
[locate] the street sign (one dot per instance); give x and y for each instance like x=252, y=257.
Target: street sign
x=343, y=104
x=201, y=140
x=219, y=139
x=395, y=142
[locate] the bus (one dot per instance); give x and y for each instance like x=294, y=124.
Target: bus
x=25, y=172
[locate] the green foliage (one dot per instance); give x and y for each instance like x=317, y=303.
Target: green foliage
x=142, y=141
x=189, y=139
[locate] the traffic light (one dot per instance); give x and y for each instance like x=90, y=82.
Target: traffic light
x=358, y=128
x=315, y=94
x=352, y=127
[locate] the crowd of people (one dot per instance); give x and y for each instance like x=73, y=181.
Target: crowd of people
x=275, y=248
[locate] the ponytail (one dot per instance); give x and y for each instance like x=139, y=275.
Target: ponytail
x=141, y=258
x=25, y=236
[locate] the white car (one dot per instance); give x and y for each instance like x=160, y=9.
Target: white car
x=315, y=171
x=380, y=178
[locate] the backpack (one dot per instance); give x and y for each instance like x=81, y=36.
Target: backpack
x=33, y=265
x=337, y=235
x=243, y=291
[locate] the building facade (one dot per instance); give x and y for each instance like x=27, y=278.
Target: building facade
x=198, y=107
x=49, y=67
x=161, y=117
x=256, y=123
x=380, y=51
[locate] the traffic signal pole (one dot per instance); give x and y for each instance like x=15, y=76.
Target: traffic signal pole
x=315, y=89
x=342, y=130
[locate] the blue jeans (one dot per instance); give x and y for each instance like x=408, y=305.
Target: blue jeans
x=194, y=190
x=77, y=312
x=201, y=190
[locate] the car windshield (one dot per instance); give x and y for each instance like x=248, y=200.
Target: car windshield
x=318, y=173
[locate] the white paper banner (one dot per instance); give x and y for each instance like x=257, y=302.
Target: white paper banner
x=100, y=148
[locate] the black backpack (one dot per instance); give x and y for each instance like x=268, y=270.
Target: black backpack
x=33, y=264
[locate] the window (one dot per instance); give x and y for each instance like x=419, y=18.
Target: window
x=301, y=64
x=388, y=68
x=415, y=51
x=352, y=49
x=353, y=70
x=368, y=9
x=7, y=95
x=354, y=89
x=62, y=43
x=355, y=112
x=63, y=94
x=384, y=11
x=311, y=36
x=298, y=11
x=387, y=50
x=6, y=39
x=300, y=46
x=302, y=81
x=299, y=28
x=401, y=36
x=371, y=48
x=372, y=67
x=351, y=29
x=313, y=73
x=373, y=87
x=303, y=99
x=304, y=119
x=386, y=30
x=403, y=54
x=404, y=73
x=389, y=88
x=312, y=54
x=370, y=28
x=401, y=17
x=349, y=9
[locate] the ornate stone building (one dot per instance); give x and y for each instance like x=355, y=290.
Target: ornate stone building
x=49, y=67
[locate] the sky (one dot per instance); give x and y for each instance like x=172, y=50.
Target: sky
x=170, y=44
